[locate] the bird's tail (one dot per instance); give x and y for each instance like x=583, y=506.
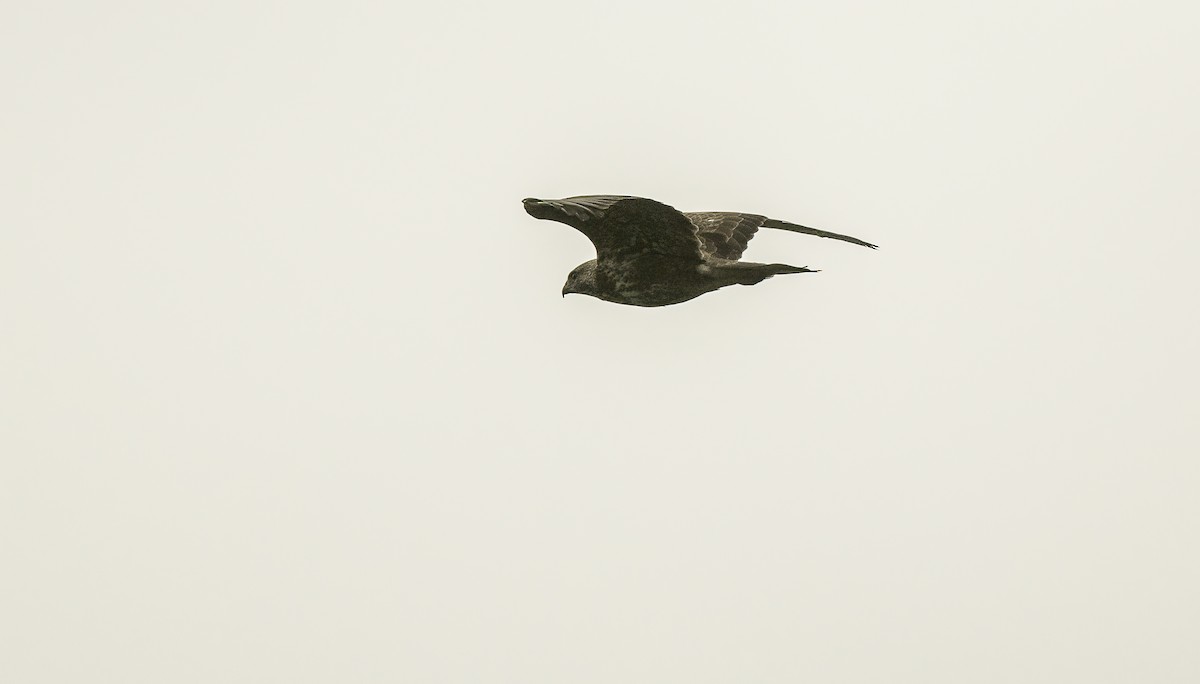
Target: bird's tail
x=745, y=273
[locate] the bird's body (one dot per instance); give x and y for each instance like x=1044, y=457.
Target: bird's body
x=659, y=280
x=649, y=254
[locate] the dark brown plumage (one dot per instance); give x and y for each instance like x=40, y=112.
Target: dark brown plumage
x=649, y=254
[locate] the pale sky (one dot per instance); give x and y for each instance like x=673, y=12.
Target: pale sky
x=288, y=392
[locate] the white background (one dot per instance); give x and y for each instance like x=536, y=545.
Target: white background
x=289, y=393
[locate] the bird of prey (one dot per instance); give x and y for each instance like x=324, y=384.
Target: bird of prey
x=650, y=254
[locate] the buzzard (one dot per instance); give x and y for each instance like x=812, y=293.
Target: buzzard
x=650, y=254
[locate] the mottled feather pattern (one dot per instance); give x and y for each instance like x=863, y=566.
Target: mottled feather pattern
x=725, y=234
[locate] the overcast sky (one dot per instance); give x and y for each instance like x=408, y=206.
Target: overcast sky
x=288, y=392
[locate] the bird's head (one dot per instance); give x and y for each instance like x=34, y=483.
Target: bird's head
x=582, y=280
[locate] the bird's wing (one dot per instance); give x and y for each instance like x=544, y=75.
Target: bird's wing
x=784, y=225
x=624, y=227
x=726, y=234
x=576, y=211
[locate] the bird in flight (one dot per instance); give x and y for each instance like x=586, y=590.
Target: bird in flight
x=650, y=254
